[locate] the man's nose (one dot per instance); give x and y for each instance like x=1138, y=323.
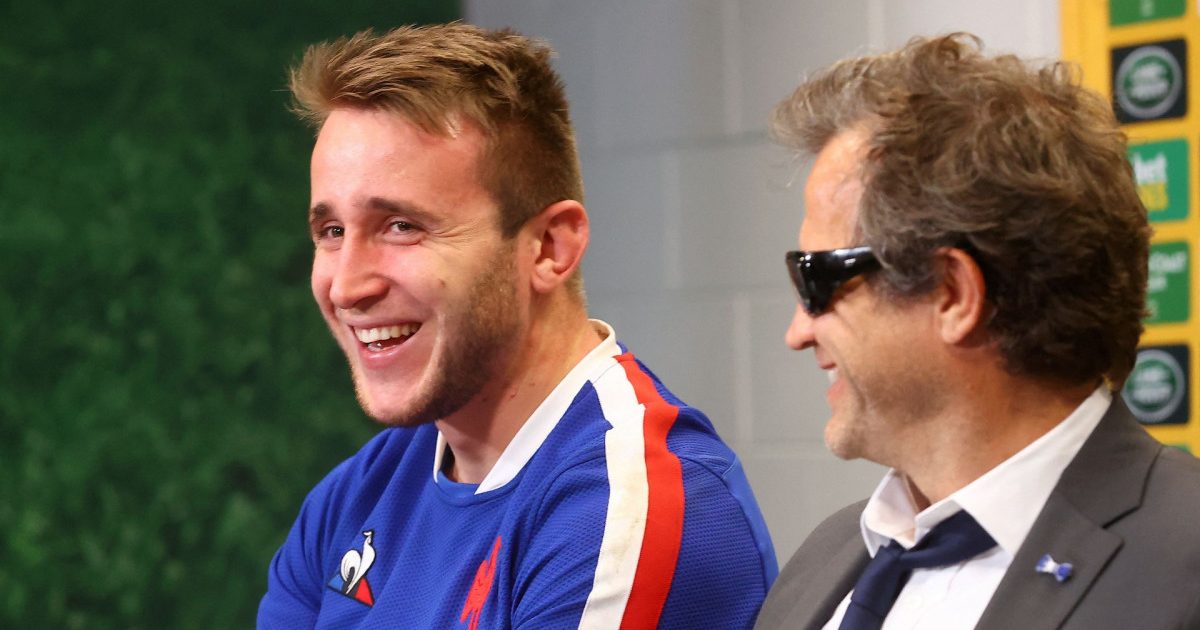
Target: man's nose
x=357, y=278
x=799, y=333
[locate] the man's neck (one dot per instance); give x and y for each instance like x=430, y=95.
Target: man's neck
x=994, y=423
x=478, y=433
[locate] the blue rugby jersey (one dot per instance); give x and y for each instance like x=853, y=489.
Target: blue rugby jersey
x=615, y=506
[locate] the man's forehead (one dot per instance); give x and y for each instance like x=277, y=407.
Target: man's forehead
x=833, y=192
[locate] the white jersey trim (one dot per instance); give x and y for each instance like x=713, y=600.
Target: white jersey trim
x=628, y=503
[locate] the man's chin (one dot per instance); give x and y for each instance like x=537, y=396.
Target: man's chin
x=391, y=414
x=842, y=453
x=840, y=443
x=399, y=422
x=396, y=418
x=422, y=407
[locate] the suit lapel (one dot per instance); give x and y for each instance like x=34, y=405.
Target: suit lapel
x=828, y=586
x=1028, y=599
x=1103, y=483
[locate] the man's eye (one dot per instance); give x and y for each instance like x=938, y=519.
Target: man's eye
x=332, y=231
x=401, y=227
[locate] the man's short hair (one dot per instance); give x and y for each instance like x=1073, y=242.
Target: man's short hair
x=1016, y=164
x=435, y=76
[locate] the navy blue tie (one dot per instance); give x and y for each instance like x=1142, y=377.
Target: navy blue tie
x=954, y=540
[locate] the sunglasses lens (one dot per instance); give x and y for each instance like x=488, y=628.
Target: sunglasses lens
x=816, y=305
x=809, y=286
x=818, y=291
x=817, y=275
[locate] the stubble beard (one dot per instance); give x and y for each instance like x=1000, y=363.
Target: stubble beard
x=480, y=332
x=844, y=433
x=879, y=413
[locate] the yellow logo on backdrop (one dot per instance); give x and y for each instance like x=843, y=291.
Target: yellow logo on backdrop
x=1151, y=177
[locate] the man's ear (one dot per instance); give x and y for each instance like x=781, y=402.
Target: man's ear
x=560, y=236
x=962, y=301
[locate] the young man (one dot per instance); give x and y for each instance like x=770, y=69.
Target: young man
x=973, y=277
x=535, y=474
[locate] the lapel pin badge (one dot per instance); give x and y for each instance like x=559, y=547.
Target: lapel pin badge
x=1061, y=571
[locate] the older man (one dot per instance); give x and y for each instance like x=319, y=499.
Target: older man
x=972, y=276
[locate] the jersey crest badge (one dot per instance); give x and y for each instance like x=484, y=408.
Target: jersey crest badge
x=481, y=587
x=351, y=579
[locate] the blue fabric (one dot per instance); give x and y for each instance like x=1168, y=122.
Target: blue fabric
x=454, y=488
x=432, y=541
x=954, y=540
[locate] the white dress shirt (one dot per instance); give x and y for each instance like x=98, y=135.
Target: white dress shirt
x=1005, y=501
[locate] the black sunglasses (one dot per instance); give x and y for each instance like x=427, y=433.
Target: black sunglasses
x=817, y=275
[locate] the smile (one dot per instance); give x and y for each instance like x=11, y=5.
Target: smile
x=383, y=337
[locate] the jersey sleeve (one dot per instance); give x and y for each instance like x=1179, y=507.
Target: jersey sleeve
x=293, y=594
x=296, y=577
x=597, y=557
x=726, y=563
x=561, y=546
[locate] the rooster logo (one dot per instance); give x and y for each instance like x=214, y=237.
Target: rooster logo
x=351, y=579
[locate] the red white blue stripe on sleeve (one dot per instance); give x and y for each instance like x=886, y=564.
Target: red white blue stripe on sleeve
x=644, y=522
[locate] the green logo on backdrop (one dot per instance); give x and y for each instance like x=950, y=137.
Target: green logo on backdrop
x=1157, y=387
x=1149, y=82
x=1130, y=11
x=1161, y=169
x=1169, y=283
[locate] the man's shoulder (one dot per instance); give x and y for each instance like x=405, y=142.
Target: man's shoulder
x=649, y=405
x=1141, y=544
x=1123, y=474
x=827, y=540
x=376, y=462
x=628, y=394
x=828, y=537
x=1172, y=490
x=388, y=446
x=1178, y=466
x=818, y=570
x=644, y=416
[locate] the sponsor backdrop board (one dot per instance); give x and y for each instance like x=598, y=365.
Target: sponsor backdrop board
x=1143, y=55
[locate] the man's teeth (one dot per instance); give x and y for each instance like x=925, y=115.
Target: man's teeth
x=831, y=373
x=383, y=333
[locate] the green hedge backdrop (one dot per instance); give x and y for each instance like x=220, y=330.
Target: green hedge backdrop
x=168, y=392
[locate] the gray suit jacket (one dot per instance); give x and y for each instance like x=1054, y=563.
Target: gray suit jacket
x=1126, y=514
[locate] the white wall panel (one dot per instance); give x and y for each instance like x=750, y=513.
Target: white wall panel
x=738, y=214
x=659, y=72
x=777, y=42
x=1026, y=27
x=788, y=389
x=630, y=243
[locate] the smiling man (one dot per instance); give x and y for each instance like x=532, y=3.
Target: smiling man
x=972, y=275
x=534, y=474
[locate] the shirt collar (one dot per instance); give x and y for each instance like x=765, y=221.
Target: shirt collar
x=543, y=420
x=1005, y=500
